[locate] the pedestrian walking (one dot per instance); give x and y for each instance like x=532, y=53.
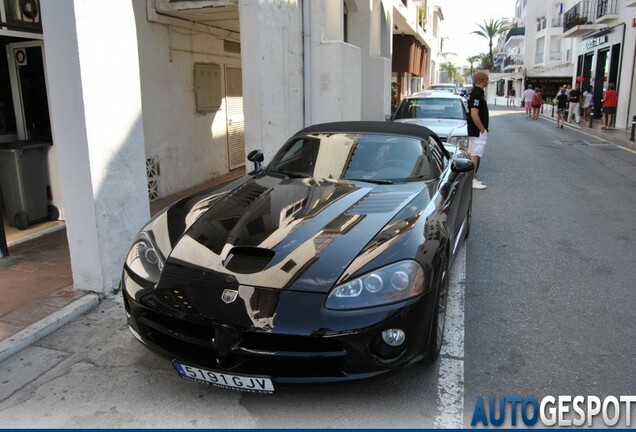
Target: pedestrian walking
x=527, y=100
x=574, y=99
x=562, y=108
x=588, y=96
x=536, y=103
x=478, y=123
x=609, y=106
x=511, y=96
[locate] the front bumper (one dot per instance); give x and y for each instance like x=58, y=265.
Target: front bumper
x=286, y=335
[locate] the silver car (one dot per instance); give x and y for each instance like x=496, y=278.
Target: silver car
x=442, y=112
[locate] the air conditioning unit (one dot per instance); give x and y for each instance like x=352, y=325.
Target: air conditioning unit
x=24, y=12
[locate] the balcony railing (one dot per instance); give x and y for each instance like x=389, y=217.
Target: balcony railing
x=556, y=55
x=582, y=13
x=517, y=31
x=586, y=12
x=538, y=58
x=557, y=22
x=513, y=60
x=605, y=7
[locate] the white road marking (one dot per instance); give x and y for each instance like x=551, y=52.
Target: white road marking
x=627, y=149
x=450, y=379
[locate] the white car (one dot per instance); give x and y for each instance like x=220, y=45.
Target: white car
x=451, y=88
x=442, y=112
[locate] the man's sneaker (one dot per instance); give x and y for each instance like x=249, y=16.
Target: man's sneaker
x=478, y=185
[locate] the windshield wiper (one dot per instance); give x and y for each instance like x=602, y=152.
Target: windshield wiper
x=291, y=174
x=375, y=181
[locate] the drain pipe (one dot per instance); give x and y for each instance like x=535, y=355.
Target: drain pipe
x=306, y=5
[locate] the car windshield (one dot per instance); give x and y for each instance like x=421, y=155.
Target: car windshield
x=370, y=157
x=431, y=107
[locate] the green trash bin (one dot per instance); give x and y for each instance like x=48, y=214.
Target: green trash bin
x=23, y=182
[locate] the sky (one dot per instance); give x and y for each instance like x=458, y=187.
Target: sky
x=461, y=17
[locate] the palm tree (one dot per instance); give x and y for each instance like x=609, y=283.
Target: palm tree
x=483, y=60
x=489, y=30
x=450, y=68
x=472, y=60
x=443, y=53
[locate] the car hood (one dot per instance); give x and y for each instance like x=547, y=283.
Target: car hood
x=442, y=127
x=299, y=234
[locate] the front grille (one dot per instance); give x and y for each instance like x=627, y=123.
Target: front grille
x=218, y=347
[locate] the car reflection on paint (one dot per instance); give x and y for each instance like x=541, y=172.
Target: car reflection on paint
x=329, y=264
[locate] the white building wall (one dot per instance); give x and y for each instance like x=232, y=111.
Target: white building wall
x=366, y=30
x=95, y=97
x=190, y=146
x=272, y=61
x=333, y=81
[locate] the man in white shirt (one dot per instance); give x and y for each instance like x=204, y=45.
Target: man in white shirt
x=527, y=97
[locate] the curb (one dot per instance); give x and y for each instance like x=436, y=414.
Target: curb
x=47, y=325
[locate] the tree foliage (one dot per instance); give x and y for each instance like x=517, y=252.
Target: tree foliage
x=489, y=30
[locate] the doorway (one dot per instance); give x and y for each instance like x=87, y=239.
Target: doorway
x=24, y=123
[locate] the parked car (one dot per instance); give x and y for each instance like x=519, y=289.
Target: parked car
x=450, y=88
x=330, y=264
x=443, y=113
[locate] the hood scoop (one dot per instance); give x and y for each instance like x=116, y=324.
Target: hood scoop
x=246, y=194
x=385, y=202
x=246, y=260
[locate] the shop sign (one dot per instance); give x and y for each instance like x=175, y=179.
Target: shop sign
x=594, y=42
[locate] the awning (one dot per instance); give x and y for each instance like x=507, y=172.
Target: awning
x=409, y=55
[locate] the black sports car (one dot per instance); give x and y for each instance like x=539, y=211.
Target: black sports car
x=329, y=264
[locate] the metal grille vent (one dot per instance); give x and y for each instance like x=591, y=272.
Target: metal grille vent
x=379, y=203
x=231, y=46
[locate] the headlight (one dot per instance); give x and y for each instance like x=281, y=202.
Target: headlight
x=144, y=259
x=390, y=284
x=459, y=141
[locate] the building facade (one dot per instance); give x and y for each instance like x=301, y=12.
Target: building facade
x=145, y=98
x=591, y=42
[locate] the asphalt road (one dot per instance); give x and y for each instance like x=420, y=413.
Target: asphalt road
x=549, y=280
x=541, y=304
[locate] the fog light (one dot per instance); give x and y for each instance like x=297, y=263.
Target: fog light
x=393, y=337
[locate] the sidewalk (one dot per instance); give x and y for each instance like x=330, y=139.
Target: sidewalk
x=36, y=284
x=614, y=135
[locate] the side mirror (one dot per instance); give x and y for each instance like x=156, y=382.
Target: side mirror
x=462, y=165
x=256, y=156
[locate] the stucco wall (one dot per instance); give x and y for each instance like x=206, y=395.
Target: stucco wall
x=272, y=37
x=191, y=147
x=95, y=105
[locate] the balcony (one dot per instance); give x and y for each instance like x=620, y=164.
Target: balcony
x=515, y=36
x=512, y=62
x=579, y=20
x=606, y=11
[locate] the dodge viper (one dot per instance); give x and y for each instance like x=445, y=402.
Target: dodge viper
x=330, y=263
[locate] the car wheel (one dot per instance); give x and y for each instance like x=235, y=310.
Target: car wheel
x=439, y=317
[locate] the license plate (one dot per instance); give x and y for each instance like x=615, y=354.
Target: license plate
x=251, y=384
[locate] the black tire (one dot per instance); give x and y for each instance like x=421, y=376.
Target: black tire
x=439, y=317
x=21, y=221
x=53, y=213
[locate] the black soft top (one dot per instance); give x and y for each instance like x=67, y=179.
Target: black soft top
x=381, y=127
x=370, y=127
